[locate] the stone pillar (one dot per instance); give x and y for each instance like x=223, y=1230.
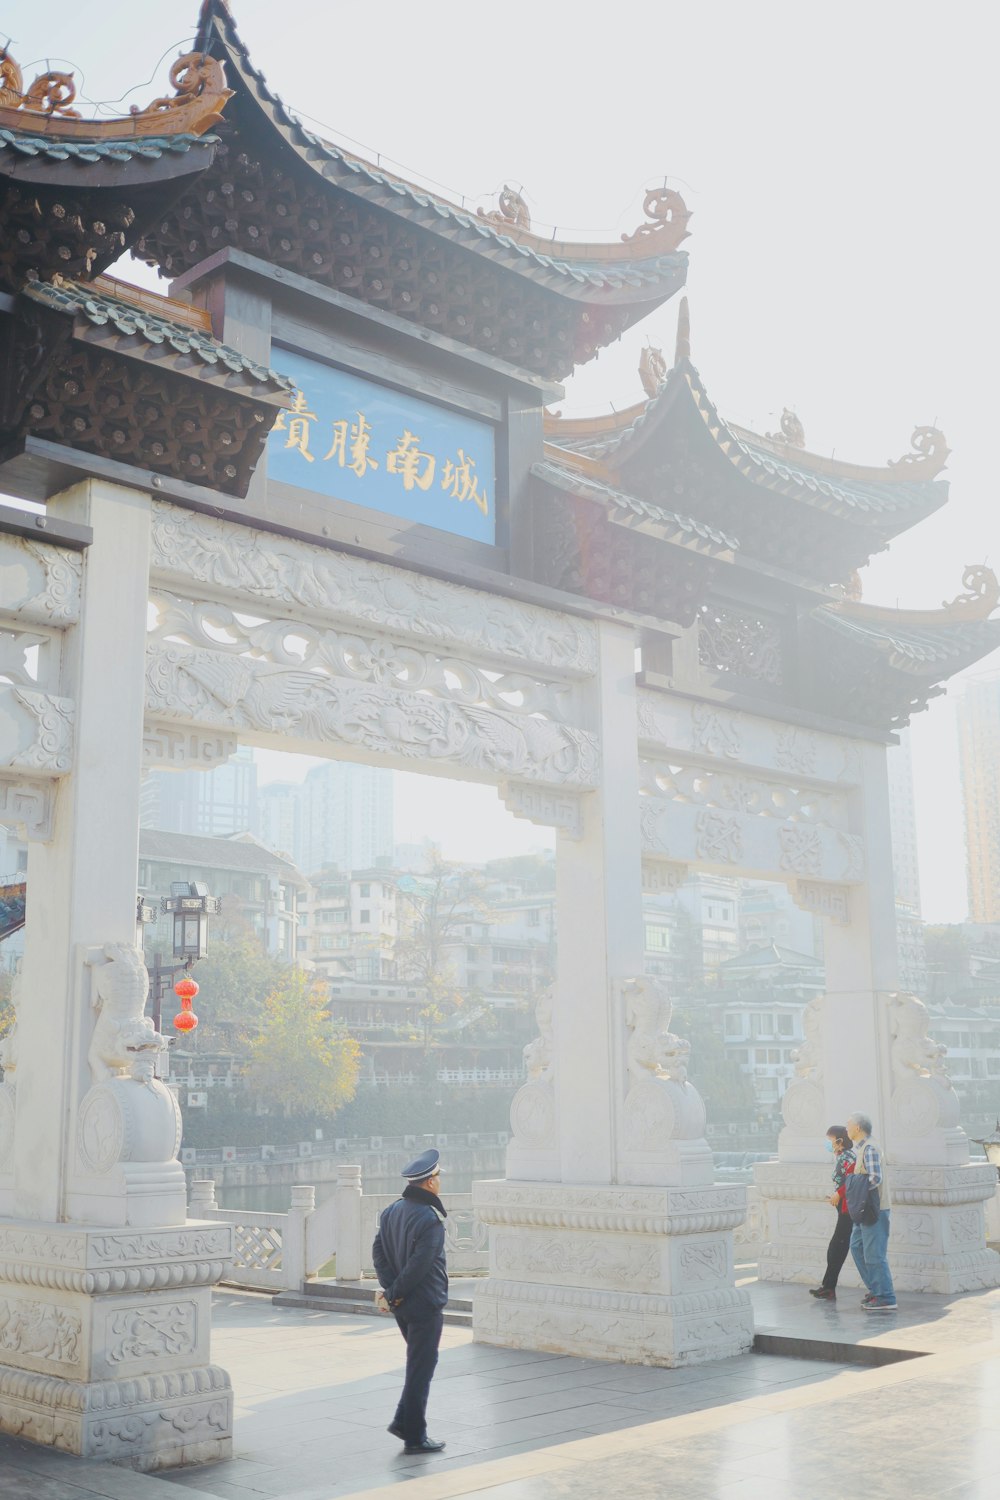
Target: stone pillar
x=867, y=1049
x=104, y=1287
x=608, y=1238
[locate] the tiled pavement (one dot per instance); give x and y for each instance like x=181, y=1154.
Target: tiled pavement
x=315, y=1390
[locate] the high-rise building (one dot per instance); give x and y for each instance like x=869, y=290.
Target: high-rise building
x=979, y=747
x=279, y=816
x=346, y=817
x=216, y=803
x=903, y=821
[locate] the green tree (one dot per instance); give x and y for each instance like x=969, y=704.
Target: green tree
x=297, y=1063
x=235, y=979
x=436, y=909
x=718, y=1077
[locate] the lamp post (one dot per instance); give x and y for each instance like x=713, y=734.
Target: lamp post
x=191, y=906
x=991, y=1145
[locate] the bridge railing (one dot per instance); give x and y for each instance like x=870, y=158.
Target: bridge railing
x=281, y=1251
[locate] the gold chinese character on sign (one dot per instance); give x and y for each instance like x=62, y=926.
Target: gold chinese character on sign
x=407, y=460
x=296, y=429
x=461, y=482
x=350, y=445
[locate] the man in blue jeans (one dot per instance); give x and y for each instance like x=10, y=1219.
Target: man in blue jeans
x=409, y=1259
x=870, y=1242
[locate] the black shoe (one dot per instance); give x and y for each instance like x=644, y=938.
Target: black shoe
x=824, y=1293
x=426, y=1445
x=396, y=1430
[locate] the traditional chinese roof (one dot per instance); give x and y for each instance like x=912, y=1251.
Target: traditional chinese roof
x=797, y=510
x=880, y=666
x=134, y=377
x=285, y=195
x=593, y=539
x=242, y=853
x=85, y=152
x=629, y=510
x=75, y=194
x=162, y=334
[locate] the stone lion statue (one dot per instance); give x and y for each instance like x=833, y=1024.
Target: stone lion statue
x=538, y=1053
x=125, y=1040
x=914, y=1054
x=653, y=1050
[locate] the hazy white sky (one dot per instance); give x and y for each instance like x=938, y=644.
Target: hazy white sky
x=839, y=165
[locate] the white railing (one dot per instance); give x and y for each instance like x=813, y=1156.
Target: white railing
x=278, y=1252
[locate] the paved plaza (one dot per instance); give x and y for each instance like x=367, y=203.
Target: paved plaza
x=314, y=1391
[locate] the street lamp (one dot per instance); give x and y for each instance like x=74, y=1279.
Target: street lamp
x=191, y=907
x=991, y=1145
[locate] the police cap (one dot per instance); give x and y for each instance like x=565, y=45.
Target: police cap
x=424, y=1166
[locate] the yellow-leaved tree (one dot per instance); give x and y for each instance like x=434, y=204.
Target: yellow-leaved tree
x=298, y=1062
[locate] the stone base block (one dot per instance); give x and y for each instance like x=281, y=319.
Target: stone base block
x=639, y=1274
x=937, y=1239
x=638, y=1329
x=152, y=1422
x=105, y=1341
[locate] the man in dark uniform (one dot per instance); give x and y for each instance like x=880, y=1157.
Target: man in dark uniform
x=408, y=1254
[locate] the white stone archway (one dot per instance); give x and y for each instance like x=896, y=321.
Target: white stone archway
x=174, y=636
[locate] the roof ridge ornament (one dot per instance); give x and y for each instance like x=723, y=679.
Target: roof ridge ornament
x=50, y=94
x=511, y=210
x=792, y=433
x=668, y=215
x=653, y=370
x=980, y=599
x=682, y=342
x=930, y=451
x=200, y=96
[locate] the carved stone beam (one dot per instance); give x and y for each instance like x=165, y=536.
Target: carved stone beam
x=823, y=899
x=176, y=749
x=735, y=842
x=663, y=875
x=36, y=731
x=545, y=806
x=28, y=806
x=41, y=584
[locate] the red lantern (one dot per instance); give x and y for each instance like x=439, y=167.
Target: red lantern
x=185, y=989
x=187, y=1020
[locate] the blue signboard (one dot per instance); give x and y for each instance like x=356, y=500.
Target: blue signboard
x=351, y=439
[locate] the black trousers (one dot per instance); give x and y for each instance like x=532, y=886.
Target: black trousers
x=422, y=1340
x=836, y=1254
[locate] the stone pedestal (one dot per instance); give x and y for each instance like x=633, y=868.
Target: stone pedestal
x=104, y=1342
x=937, y=1240
x=639, y=1274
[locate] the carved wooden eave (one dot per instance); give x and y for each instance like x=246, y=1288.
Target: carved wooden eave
x=283, y=194
x=810, y=516
x=75, y=194
x=137, y=381
x=880, y=666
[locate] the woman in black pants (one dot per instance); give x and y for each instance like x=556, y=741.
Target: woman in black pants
x=839, y=1145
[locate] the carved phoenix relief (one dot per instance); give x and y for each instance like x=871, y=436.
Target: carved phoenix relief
x=235, y=692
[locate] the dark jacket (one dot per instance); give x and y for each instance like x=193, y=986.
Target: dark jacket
x=408, y=1254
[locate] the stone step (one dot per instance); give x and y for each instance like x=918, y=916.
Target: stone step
x=358, y=1298
x=838, y=1351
